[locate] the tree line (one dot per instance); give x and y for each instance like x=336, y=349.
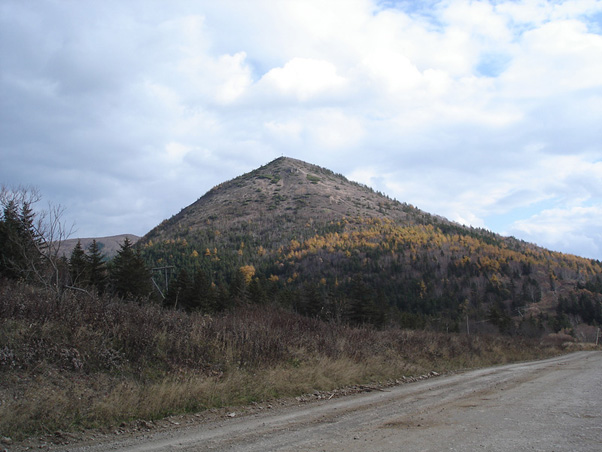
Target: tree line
x=30, y=251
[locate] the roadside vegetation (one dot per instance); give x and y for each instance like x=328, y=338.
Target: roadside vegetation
x=96, y=361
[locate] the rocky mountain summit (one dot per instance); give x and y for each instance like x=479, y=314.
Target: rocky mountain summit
x=289, y=192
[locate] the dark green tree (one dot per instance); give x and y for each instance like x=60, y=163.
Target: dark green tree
x=130, y=277
x=202, y=296
x=312, y=301
x=33, y=244
x=20, y=244
x=361, y=307
x=238, y=289
x=97, y=269
x=11, y=259
x=180, y=291
x=78, y=266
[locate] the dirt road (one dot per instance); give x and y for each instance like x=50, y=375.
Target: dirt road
x=551, y=405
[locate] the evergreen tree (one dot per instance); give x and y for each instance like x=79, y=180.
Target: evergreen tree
x=361, y=308
x=10, y=256
x=312, y=301
x=78, y=266
x=19, y=243
x=32, y=242
x=179, y=291
x=97, y=270
x=203, y=296
x=223, y=300
x=130, y=277
x=238, y=288
x=257, y=293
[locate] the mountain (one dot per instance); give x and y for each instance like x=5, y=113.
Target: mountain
x=288, y=191
x=302, y=236
x=107, y=245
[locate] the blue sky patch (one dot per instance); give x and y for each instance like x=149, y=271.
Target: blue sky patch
x=503, y=221
x=492, y=64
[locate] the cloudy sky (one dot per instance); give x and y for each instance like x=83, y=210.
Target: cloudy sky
x=486, y=112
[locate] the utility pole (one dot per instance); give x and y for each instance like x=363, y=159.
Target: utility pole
x=165, y=270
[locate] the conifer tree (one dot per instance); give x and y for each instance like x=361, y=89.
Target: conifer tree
x=20, y=245
x=78, y=266
x=11, y=260
x=312, y=302
x=202, y=294
x=32, y=242
x=257, y=293
x=130, y=277
x=361, y=303
x=97, y=270
x=238, y=288
x=179, y=291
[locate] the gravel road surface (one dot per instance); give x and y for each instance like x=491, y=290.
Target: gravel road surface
x=549, y=405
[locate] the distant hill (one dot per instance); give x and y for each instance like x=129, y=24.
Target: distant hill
x=107, y=245
x=302, y=236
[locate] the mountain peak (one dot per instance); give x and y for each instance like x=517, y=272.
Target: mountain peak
x=288, y=191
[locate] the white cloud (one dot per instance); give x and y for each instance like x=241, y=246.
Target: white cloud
x=564, y=229
x=333, y=129
x=177, y=151
x=303, y=79
x=236, y=76
x=392, y=70
x=556, y=58
x=222, y=79
x=478, y=21
x=534, y=13
x=285, y=132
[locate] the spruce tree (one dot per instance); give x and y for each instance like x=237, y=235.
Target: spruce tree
x=202, y=297
x=130, y=277
x=10, y=255
x=97, y=270
x=179, y=291
x=361, y=309
x=312, y=301
x=19, y=243
x=78, y=266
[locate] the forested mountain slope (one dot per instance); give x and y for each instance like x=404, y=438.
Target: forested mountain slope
x=302, y=236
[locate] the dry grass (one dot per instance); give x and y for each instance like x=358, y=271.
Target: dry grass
x=95, y=362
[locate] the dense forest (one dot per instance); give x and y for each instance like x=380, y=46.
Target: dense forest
x=371, y=270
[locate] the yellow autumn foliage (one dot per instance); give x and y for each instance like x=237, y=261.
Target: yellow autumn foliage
x=247, y=271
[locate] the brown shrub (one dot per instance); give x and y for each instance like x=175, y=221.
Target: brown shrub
x=104, y=360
